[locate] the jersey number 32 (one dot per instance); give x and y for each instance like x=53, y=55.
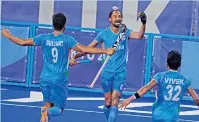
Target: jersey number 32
x=172, y=89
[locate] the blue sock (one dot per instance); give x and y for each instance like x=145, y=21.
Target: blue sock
x=113, y=114
x=54, y=111
x=107, y=111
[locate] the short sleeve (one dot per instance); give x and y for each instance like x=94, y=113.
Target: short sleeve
x=157, y=77
x=72, y=42
x=128, y=32
x=189, y=84
x=38, y=39
x=99, y=38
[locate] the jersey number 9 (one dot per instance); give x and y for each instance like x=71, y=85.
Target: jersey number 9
x=54, y=54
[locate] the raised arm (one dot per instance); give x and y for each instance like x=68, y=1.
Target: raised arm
x=17, y=40
x=140, y=34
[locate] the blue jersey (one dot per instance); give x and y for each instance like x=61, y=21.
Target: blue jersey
x=117, y=62
x=171, y=87
x=56, y=50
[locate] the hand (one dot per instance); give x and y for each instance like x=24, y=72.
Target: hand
x=5, y=33
x=143, y=18
x=110, y=51
x=124, y=104
x=72, y=62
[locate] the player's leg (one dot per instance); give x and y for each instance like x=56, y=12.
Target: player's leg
x=107, y=104
x=119, y=80
x=46, y=91
x=106, y=82
x=114, y=106
x=58, y=97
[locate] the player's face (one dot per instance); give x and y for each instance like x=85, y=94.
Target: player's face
x=116, y=18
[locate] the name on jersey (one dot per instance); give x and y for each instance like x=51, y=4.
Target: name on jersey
x=53, y=43
x=173, y=81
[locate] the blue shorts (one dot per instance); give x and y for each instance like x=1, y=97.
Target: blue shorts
x=54, y=93
x=113, y=81
x=163, y=113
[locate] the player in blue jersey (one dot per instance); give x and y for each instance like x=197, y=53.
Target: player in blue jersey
x=53, y=79
x=113, y=76
x=172, y=85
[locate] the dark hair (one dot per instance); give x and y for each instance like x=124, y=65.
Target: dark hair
x=59, y=21
x=174, y=59
x=110, y=14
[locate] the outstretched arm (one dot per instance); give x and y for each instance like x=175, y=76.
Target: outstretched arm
x=138, y=94
x=17, y=40
x=80, y=54
x=146, y=88
x=86, y=49
x=143, y=90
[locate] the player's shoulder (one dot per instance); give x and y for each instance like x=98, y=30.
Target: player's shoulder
x=186, y=80
x=68, y=37
x=158, y=76
x=183, y=76
x=128, y=29
x=43, y=35
x=104, y=31
x=47, y=36
x=161, y=73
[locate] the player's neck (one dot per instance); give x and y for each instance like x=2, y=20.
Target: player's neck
x=56, y=33
x=114, y=30
x=172, y=70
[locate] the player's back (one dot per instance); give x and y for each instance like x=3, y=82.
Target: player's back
x=56, y=49
x=171, y=87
